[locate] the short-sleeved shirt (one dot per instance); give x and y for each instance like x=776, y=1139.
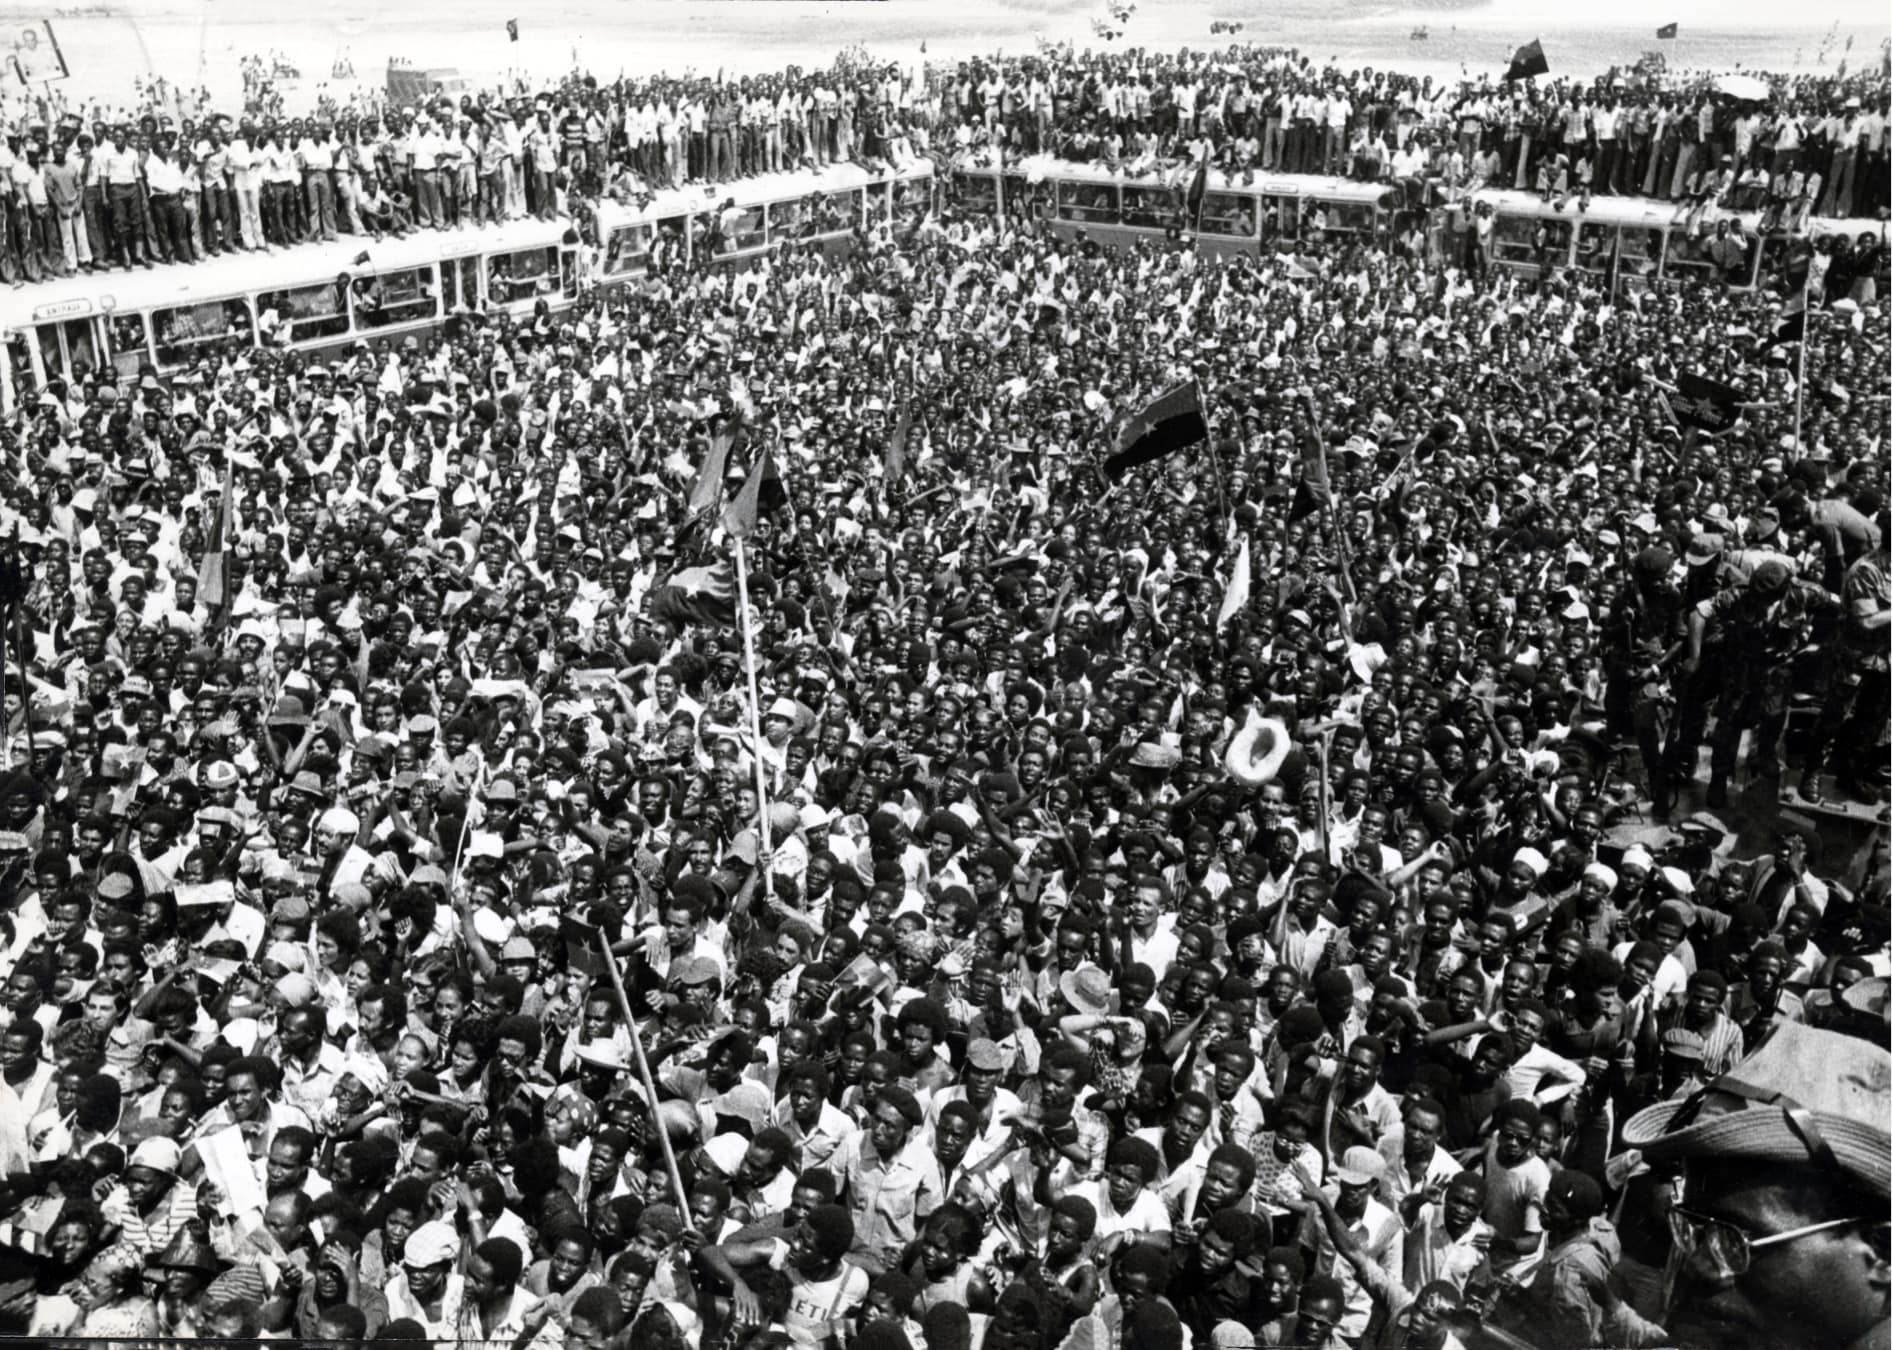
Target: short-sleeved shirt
x=817, y=1308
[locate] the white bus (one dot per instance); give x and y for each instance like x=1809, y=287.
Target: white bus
x=821, y=207
x=1236, y=215
x=1641, y=239
x=318, y=296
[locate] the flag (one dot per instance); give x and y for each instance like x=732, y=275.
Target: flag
x=1170, y=422
x=1705, y=403
x=1235, y=598
x=1667, y=30
x=512, y=29
x=761, y=493
x=705, y=595
x=1312, y=490
x=213, y=582
x=1198, y=188
x=1527, y=61
x=709, y=481
x=896, y=462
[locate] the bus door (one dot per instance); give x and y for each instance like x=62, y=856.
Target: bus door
x=72, y=349
x=19, y=384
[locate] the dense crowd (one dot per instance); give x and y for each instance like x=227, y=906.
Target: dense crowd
x=81, y=190
x=421, y=920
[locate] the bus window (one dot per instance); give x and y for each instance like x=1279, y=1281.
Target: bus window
x=1351, y=217
x=976, y=192
x=1595, y=246
x=301, y=315
x=1525, y=239
x=1149, y=208
x=525, y=275
x=1280, y=217
x=627, y=250
x=836, y=212
x=460, y=284
x=69, y=348
x=21, y=387
x=1687, y=256
x=1087, y=203
x=128, y=340
x=186, y=332
x=788, y=219
x=877, y=199
x=1776, y=251
x=740, y=228
x=381, y=301
x=1226, y=213
x=912, y=202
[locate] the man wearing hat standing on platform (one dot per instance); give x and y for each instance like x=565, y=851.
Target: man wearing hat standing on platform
x=1762, y=625
x=1779, y=1234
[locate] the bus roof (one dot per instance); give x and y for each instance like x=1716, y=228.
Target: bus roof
x=1038, y=167
x=1647, y=213
x=249, y=273
x=768, y=187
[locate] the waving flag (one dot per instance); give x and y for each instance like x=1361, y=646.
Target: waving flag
x=1527, y=61
x=1235, y=599
x=709, y=482
x=213, y=583
x=1170, y=422
x=705, y=595
x=1705, y=403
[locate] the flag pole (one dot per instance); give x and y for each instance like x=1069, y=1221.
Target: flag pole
x=1215, y=456
x=643, y=1072
x=1800, y=380
x=998, y=184
x=755, y=710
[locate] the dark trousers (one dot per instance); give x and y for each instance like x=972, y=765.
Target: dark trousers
x=128, y=222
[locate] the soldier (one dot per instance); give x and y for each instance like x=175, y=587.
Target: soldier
x=1763, y=624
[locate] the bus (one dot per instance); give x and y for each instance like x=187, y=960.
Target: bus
x=822, y=208
x=1240, y=213
x=315, y=297
x=1641, y=240
x=309, y=298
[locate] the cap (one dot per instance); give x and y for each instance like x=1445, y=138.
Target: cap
x=430, y=1244
x=985, y=1056
x=1359, y=1166
x=693, y=970
x=157, y=1153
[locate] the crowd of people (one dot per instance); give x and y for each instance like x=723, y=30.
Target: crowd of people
x=432, y=911
x=81, y=193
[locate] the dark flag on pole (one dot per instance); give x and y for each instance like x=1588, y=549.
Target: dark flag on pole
x=1172, y=421
x=1527, y=61
x=512, y=29
x=709, y=479
x=1705, y=403
x=761, y=493
x=1667, y=30
x=1198, y=189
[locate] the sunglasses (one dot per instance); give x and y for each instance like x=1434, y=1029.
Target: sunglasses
x=1727, y=1249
